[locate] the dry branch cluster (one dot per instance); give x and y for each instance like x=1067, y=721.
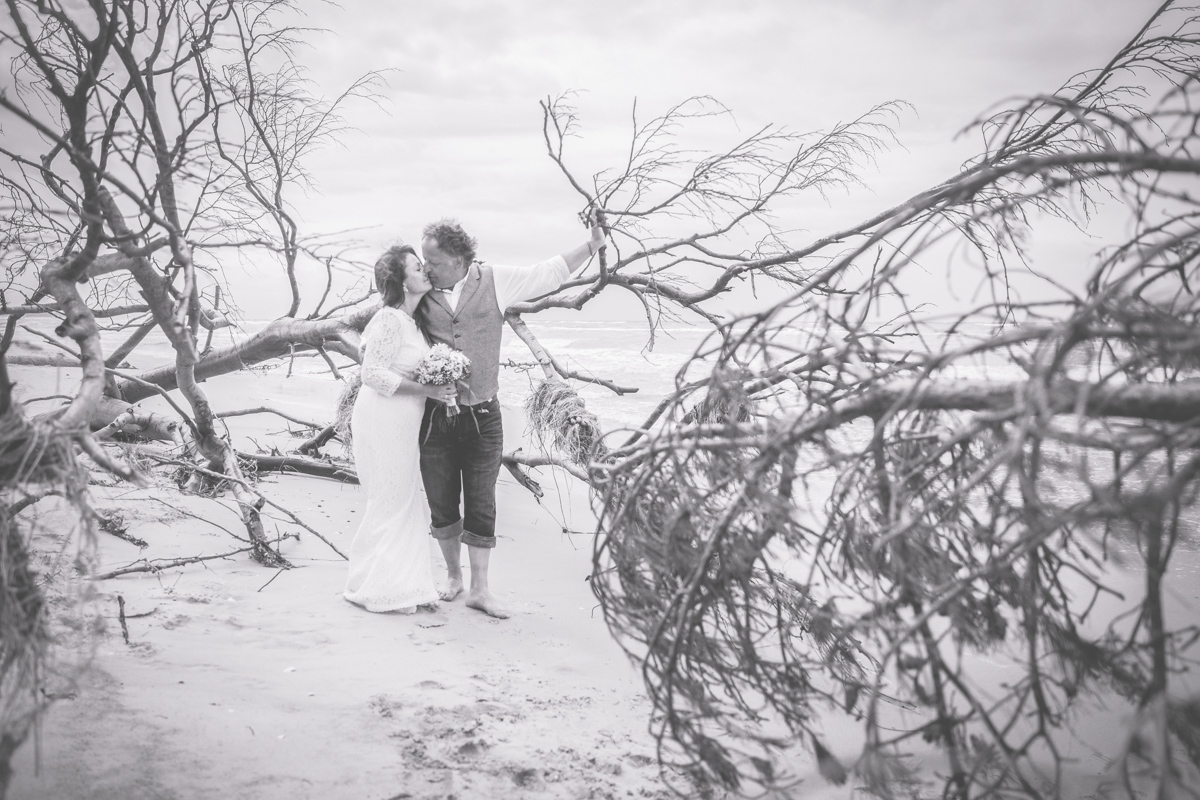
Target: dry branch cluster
x=143, y=142
x=151, y=139
x=852, y=506
x=34, y=457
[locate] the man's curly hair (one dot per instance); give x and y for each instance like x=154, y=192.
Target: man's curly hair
x=451, y=239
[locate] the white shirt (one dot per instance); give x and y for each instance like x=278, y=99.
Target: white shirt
x=517, y=284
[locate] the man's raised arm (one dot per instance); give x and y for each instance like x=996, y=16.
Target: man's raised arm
x=518, y=284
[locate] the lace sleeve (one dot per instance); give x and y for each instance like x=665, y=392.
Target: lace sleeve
x=386, y=337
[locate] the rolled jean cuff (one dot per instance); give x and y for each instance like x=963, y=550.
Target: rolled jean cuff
x=451, y=531
x=475, y=540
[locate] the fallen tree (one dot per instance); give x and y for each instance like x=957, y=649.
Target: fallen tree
x=960, y=532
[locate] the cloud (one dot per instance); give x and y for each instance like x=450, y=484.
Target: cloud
x=459, y=128
x=463, y=134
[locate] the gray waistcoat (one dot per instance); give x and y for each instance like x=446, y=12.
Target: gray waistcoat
x=475, y=328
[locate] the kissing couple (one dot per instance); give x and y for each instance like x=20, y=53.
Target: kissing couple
x=447, y=437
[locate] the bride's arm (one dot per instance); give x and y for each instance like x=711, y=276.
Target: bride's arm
x=383, y=344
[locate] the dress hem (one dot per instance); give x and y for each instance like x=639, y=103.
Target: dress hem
x=406, y=605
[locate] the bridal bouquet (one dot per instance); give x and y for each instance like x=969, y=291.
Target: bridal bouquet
x=443, y=365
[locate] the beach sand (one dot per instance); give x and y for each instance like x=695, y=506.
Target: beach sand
x=239, y=681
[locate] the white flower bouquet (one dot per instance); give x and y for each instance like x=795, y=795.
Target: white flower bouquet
x=443, y=364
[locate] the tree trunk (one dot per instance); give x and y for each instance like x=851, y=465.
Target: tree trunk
x=341, y=334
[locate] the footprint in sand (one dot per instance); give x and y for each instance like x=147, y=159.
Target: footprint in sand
x=384, y=706
x=472, y=748
x=528, y=778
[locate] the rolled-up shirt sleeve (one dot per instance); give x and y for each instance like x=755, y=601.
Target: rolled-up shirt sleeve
x=384, y=339
x=518, y=284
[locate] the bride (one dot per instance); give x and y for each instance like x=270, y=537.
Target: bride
x=390, y=566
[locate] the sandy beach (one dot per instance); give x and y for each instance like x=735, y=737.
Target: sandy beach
x=240, y=681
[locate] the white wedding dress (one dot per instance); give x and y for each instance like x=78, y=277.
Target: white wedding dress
x=390, y=564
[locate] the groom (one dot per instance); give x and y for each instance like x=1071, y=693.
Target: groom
x=461, y=454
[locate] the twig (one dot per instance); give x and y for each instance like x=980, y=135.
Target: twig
x=273, y=577
x=306, y=527
x=47, y=397
x=158, y=566
x=212, y=329
x=26, y=502
x=332, y=367
x=187, y=513
x=51, y=340
x=549, y=363
x=47, y=308
x=41, y=361
x=347, y=304
x=121, y=617
x=265, y=410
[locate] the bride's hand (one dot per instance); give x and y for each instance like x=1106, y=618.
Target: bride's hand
x=444, y=393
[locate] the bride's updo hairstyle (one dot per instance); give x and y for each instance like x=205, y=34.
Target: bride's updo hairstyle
x=389, y=274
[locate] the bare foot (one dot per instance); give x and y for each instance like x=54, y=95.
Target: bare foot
x=454, y=587
x=483, y=601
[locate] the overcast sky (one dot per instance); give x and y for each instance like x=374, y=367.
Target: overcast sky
x=459, y=130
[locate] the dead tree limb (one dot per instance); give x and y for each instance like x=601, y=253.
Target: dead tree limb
x=853, y=498
x=158, y=565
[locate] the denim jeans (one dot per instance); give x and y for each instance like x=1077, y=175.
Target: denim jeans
x=460, y=456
